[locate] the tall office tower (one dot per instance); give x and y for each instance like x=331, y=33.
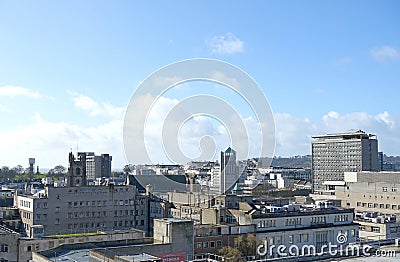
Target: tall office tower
x=229, y=170
x=76, y=176
x=97, y=166
x=334, y=154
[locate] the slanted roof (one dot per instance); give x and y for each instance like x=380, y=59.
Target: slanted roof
x=229, y=150
x=237, y=187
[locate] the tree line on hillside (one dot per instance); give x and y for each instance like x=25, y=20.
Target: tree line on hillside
x=294, y=161
x=20, y=173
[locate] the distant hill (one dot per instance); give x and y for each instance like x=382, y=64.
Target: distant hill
x=305, y=161
x=393, y=160
x=294, y=161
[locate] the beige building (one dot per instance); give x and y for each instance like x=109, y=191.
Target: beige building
x=300, y=227
x=334, y=154
x=59, y=210
x=8, y=244
x=376, y=200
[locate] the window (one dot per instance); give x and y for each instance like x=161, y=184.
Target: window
x=305, y=237
x=384, y=189
x=199, y=245
x=298, y=238
x=205, y=244
x=271, y=240
x=376, y=229
x=212, y=244
x=291, y=239
x=4, y=248
x=219, y=243
x=279, y=240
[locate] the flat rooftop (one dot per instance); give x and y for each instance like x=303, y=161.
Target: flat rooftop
x=348, y=135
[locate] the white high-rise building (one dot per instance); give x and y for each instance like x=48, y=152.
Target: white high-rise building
x=225, y=179
x=334, y=154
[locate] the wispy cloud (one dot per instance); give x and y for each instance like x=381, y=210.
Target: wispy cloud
x=343, y=62
x=226, y=44
x=385, y=53
x=13, y=91
x=49, y=142
x=96, y=108
x=293, y=135
x=319, y=90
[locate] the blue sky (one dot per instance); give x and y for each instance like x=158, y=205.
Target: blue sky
x=69, y=68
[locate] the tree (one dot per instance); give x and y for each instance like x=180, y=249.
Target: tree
x=58, y=171
x=7, y=173
x=247, y=245
x=18, y=169
x=128, y=169
x=229, y=252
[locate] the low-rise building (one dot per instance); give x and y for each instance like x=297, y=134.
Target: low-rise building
x=301, y=227
x=375, y=198
x=60, y=210
x=8, y=244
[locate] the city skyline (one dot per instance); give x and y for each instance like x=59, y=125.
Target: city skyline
x=65, y=80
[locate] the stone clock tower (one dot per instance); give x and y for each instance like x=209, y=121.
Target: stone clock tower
x=76, y=170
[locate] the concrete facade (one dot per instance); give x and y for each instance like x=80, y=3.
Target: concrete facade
x=8, y=245
x=225, y=179
x=375, y=198
x=334, y=154
x=97, y=166
x=63, y=210
x=300, y=227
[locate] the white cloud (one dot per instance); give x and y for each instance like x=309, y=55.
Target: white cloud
x=95, y=108
x=13, y=91
x=386, y=118
x=226, y=44
x=50, y=142
x=293, y=135
x=385, y=53
x=384, y=125
x=197, y=127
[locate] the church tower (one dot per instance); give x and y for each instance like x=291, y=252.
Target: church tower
x=76, y=170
